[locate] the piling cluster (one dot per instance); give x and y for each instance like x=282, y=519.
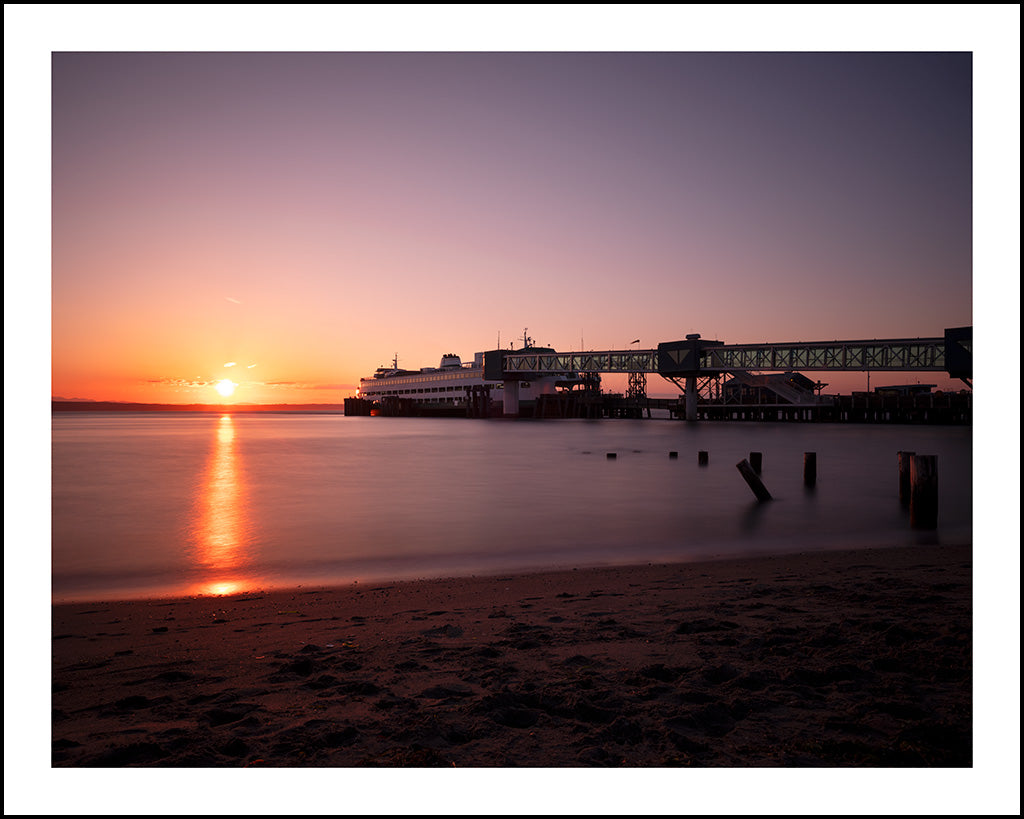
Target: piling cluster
x=750, y=469
x=918, y=481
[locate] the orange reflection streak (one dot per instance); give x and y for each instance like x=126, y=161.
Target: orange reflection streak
x=221, y=516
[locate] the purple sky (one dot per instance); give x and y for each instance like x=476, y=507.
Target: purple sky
x=315, y=213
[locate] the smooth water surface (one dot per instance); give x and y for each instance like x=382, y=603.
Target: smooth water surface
x=187, y=503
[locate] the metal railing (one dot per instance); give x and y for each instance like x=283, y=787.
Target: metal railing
x=920, y=354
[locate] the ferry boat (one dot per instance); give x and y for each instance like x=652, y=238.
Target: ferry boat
x=454, y=386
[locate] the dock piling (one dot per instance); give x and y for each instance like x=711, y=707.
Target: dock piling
x=810, y=468
x=904, y=460
x=754, y=482
x=924, y=492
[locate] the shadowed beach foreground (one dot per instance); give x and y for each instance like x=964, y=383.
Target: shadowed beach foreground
x=859, y=658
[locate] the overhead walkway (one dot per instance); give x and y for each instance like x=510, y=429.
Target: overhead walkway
x=694, y=358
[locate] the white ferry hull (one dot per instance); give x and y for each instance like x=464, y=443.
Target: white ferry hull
x=454, y=388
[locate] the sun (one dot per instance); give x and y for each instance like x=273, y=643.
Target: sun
x=225, y=387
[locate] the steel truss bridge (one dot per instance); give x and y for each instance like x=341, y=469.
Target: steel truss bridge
x=696, y=358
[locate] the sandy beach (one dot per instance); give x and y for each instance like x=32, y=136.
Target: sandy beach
x=829, y=659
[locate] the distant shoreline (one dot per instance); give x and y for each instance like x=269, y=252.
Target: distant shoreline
x=119, y=406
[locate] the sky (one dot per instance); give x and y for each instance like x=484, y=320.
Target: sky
x=290, y=221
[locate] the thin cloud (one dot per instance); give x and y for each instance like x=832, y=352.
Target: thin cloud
x=233, y=301
x=180, y=382
x=230, y=364
x=300, y=385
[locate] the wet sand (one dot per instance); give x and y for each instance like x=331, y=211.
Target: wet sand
x=830, y=659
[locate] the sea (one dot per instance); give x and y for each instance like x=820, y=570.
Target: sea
x=179, y=503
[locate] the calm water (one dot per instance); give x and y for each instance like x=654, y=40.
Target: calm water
x=181, y=503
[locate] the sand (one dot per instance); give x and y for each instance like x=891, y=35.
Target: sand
x=847, y=659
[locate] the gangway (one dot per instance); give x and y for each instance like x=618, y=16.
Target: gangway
x=695, y=357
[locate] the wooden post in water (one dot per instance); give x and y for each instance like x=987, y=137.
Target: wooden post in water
x=673, y=454
x=904, y=460
x=755, y=461
x=753, y=481
x=810, y=468
x=924, y=492
x=702, y=458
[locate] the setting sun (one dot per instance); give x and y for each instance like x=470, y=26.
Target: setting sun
x=225, y=387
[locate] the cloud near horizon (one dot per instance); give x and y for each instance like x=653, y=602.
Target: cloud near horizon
x=299, y=385
x=181, y=382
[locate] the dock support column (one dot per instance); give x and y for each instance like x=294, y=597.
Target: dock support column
x=924, y=492
x=810, y=468
x=903, y=460
x=691, y=398
x=510, y=399
x=754, y=482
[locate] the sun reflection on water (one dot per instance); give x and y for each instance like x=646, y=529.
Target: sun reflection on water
x=221, y=520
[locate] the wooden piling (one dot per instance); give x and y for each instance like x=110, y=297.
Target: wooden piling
x=673, y=454
x=755, y=462
x=810, y=468
x=904, y=459
x=753, y=481
x=924, y=492
x=610, y=455
x=702, y=458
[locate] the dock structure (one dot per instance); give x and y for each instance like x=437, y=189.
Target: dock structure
x=717, y=381
x=696, y=364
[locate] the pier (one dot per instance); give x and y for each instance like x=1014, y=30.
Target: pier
x=699, y=366
x=718, y=381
